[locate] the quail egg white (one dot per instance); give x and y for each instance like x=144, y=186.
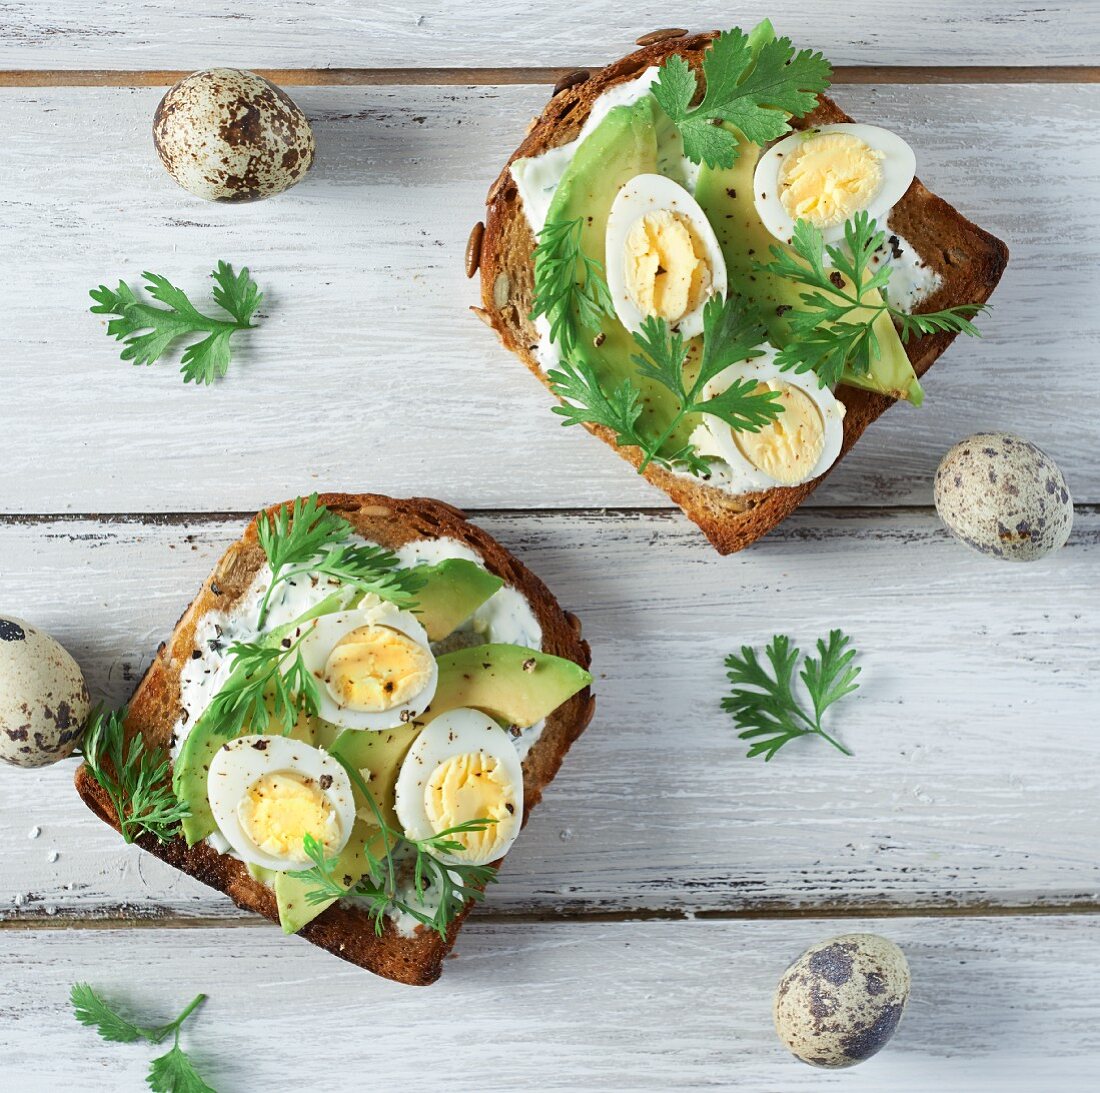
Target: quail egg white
x=268, y=792
x=374, y=664
x=463, y=766
x=1003, y=496
x=229, y=135
x=841, y=1001
x=663, y=258
x=827, y=175
x=43, y=698
x=801, y=443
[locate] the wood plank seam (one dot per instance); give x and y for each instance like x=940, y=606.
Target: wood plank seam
x=450, y=77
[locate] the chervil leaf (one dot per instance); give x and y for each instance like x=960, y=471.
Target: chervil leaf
x=297, y=532
x=175, y=1073
x=764, y=704
x=570, y=289
x=833, y=333
x=134, y=777
x=203, y=361
x=752, y=82
x=731, y=332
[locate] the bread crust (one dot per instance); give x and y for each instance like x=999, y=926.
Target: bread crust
x=154, y=710
x=969, y=260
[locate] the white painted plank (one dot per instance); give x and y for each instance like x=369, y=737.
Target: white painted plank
x=975, y=737
x=369, y=373
x=997, y=1003
x=344, y=33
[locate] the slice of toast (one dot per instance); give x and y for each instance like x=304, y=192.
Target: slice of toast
x=969, y=260
x=154, y=711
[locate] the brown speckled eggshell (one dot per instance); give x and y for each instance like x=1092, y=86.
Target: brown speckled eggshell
x=43, y=698
x=841, y=1001
x=229, y=135
x=1003, y=496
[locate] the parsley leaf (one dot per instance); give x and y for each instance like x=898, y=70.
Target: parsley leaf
x=731, y=332
x=765, y=707
x=91, y=1010
x=175, y=1073
x=829, y=338
x=569, y=285
x=754, y=89
x=203, y=361
x=135, y=778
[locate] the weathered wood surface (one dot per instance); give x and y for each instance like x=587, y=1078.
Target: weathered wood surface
x=997, y=1003
x=83, y=34
x=365, y=327
x=973, y=781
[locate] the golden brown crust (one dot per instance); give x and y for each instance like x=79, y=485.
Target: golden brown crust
x=969, y=260
x=154, y=711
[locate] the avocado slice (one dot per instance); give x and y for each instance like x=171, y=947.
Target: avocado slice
x=454, y=589
x=623, y=145
x=517, y=686
x=726, y=196
x=380, y=753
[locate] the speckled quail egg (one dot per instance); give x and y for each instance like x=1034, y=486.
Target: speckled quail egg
x=229, y=135
x=1003, y=496
x=43, y=698
x=841, y=1001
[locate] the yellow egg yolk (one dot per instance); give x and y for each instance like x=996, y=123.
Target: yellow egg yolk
x=279, y=810
x=667, y=273
x=788, y=449
x=375, y=668
x=473, y=786
x=829, y=178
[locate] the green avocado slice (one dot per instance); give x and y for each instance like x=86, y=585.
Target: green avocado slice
x=517, y=686
x=726, y=196
x=454, y=589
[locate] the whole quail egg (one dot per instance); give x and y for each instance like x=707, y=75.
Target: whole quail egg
x=43, y=698
x=229, y=135
x=841, y=1001
x=1003, y=496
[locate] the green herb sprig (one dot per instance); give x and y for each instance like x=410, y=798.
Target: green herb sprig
x=754, y=82
x=765, y=706
x=731, y=332
x=570, y=289
x=827, y=341
x=306, y=538
x=203, y=361
x=135, y=778
x=170, y=1073
x=457, y=882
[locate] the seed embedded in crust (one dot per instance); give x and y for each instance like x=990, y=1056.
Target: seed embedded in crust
x=473, y=248
x=483, y=315
x=570, y=79
x=655, y=36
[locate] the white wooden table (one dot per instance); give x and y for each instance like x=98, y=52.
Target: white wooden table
x=642, y=922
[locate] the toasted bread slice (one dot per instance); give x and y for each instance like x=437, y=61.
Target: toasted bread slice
x=154, y=711
x=969, y=260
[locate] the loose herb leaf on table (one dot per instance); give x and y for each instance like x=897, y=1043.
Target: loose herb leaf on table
x=765, y=705
x=204, y=360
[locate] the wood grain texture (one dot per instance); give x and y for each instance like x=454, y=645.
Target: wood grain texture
x=973, y=781
x=344, y=33
x=1007, y=1004
x=367, y=369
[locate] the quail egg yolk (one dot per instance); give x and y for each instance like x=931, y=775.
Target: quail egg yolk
x=375, y=668
x=666, y=268
x=829, y=178
x=472, y=786
x=788, y=448
x=279, y=810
